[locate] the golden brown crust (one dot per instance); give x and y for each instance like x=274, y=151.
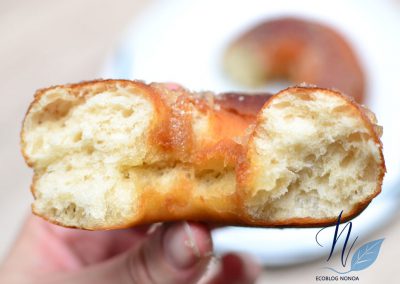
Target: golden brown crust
x=301, y=51
x=176, y=142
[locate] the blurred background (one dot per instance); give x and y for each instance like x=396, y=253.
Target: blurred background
x=46, y=42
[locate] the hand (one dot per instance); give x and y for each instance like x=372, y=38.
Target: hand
x=167, y=253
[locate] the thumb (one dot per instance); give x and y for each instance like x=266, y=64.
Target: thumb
x=173, y=253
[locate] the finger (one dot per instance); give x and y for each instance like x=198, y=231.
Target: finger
x=173, y=253
x=85, y=247
x=234, y=268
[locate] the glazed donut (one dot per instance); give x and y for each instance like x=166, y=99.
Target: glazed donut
x=298, y=51
x=114, y=154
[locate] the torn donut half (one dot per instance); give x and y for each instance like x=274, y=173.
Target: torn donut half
x=113, y=154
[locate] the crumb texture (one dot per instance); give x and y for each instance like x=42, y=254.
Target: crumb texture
x=312, y=156
x=114, y=154
x=97, y=165
x=78, y=146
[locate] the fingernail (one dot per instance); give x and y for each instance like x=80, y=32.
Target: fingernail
x=153, y=228
x=180, y=246
x=173, y=86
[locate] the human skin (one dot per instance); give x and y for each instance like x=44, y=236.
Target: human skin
x=163, y=253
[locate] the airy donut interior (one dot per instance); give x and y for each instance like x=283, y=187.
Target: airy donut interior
x=95, y=167
x=312, y=155
x=79, y=148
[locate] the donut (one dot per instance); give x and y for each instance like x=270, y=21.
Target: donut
x=298, y=51
x=114, y=154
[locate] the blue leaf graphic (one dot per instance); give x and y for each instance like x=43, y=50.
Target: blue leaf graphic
x=366, y=255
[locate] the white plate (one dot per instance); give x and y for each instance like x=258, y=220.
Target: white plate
x=183, y=41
